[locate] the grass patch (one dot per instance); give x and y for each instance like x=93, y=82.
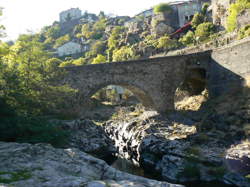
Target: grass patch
x=14, y=176
x=32, y=130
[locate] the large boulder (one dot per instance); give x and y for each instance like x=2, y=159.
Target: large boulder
x=162, y=29
x=238, y=158
x=88, y=137
x=41, y=165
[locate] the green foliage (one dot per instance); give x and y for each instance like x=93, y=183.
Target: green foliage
x=99, y=59
x=150, y=41
x=32, y=130
x=87, y=31
x=15, y=176
x=28, y=77
x=204, y=8
x=62, y=40
x=52, y=32
x=66, y=63
x=244, y=32
x=166, y=43
x=97, y=47
x=197, y=19
x=100, y=25
x=162, y=7
x=124, y=53
x=113, y=40
x=79, y=61
x=234, y=10
x=188, y=39
x=204, y=30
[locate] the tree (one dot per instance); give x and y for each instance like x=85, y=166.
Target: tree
x=99, y=59
x=188, y=38
x=98, y=47
x=31, y=77
x=162, y=7
x=86, y=31
x=165, y=42
x=124, y=53
x=204, y=30
x=234, y=10
x=197, y=19
x=204, y=9
x=62, y=40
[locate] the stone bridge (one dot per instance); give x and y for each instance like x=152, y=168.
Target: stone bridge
x=153, y=81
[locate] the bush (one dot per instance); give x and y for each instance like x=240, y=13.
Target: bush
x=32, y=130
x=66, y=63
x=188, y=39
x=204, y=8
x=62, y=40
x=124, y=53
x=99, y=59
x=204, y=30
x=234, y=10
x=162, y=7
x=197, y=20
x=166, y=43
x=79, y=61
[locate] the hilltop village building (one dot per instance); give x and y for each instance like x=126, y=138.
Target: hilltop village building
x=69, y=48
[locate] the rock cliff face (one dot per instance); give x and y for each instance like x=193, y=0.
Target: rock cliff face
x=89, y=138
x=26, y=165
x=173, y=149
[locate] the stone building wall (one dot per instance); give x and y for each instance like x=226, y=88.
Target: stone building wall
x=69, y=49
x=186, y=11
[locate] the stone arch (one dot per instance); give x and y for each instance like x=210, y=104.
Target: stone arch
x=196, y=80
x=194, y=83
x=141, y=94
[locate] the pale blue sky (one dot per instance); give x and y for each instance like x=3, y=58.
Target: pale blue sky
x=22, y=15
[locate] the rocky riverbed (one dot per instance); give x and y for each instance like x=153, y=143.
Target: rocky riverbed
x=210, y=142
x=41, y=165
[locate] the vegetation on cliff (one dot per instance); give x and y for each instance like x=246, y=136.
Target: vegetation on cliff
x=234, y=10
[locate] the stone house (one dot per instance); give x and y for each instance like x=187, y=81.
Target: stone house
x=69, y=48
x=186, y=10
x=182, y=12
x=71, y=14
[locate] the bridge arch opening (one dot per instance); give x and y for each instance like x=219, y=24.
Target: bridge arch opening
x=121, y=94
x=193, y=90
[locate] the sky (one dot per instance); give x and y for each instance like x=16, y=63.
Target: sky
x=21, y=16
